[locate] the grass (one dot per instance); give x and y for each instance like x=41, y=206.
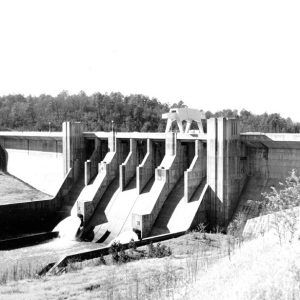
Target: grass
x=260, y=269
x=155, y=278
x=26, y=262
x=210, y=266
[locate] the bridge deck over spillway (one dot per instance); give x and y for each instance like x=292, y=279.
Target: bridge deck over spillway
x=146, y=135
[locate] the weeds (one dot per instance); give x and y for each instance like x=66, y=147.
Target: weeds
x=153, y=282
x=92, y=287
x=201, y=228
x=281, y=203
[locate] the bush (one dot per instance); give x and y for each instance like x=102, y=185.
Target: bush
x=118, y=253
x=132, y=245
x=158, y=251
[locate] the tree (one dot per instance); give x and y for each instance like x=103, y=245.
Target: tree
x=179, y=104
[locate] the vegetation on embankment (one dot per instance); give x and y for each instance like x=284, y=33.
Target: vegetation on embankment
x=144, y=278
x=209, y=266
x=260, y=269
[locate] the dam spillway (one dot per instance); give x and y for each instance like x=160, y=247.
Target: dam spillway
x=149, y=183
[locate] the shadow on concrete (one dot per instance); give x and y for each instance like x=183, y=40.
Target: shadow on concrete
x=160, y=225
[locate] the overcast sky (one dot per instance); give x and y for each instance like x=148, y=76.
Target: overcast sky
x=210, y=54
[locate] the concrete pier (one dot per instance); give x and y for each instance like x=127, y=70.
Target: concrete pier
x=145, y=171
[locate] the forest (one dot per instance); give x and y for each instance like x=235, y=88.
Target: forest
x=99, y=112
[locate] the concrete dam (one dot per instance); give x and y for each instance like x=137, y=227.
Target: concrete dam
x=148, y=184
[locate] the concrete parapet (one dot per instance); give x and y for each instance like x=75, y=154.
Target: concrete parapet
x=145, y=170
x=196, y=172
x=128, y=168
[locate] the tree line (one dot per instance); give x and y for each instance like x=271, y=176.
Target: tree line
x=99, y=112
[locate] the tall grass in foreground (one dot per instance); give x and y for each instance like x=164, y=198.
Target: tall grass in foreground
x=155, y=278
x=19, y=271
x=161, y=278
x=261, y=269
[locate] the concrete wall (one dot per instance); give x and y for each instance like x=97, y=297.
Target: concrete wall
x=73, y=148
x=34, y=216
x=145, y=171
x=35, y=160
x=43, y=159
x=128, y=167
x=272, y=162
x=224, y=169
x=212, y=168
x=196, y=172
x=91, y=166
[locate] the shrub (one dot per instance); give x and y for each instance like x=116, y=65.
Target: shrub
x=158, y=251
x=132, y=245
x=118, y=253
x=123, y=257
x=282, y=203
x=114, y=251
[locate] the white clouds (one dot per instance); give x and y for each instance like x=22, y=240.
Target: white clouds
x=211, y=54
